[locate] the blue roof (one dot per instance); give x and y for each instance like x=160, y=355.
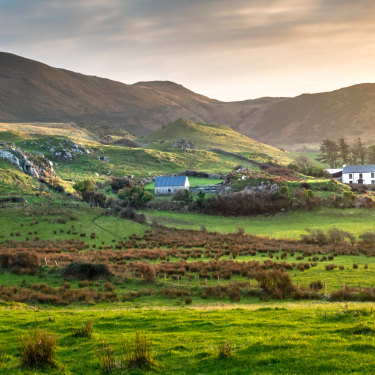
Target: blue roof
x=359, y=168
x=170, y=181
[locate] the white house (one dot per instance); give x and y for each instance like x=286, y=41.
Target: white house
x=358, y=174
x=169, y=185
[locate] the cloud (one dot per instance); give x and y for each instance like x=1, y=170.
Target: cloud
x=195, y=42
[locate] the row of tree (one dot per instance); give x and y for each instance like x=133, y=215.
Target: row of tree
x=337, y=153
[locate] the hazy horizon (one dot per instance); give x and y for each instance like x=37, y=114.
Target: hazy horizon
x=227, y=51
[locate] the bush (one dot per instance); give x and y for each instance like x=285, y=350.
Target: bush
x=38, y=348
x=86, y=271
x=24, y=262
x=138, y=354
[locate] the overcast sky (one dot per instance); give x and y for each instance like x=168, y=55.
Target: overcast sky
x=228, y=50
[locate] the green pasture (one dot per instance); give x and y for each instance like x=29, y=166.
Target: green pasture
x=46, y=222
x=283, y=225
x=267, y=338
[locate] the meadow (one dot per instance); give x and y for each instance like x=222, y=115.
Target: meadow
x=287, y=338
x=283, y=225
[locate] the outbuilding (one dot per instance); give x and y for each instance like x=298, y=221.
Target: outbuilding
x=169, y=185
x=358, y=174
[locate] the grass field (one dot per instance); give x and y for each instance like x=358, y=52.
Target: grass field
x=284, y=225
x=267, y=338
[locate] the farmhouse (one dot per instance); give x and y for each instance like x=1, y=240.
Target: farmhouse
x=358, y=174
x=169, y=185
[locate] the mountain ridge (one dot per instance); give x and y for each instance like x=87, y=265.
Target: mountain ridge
x=31, y=91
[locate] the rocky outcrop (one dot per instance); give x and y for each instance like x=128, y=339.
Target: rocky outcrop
x=183, y=143
x=65, y=150
x=32, y=165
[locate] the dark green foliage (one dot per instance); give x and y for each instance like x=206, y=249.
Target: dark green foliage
x=86, y=271
x=84, y=186
x=135, y=196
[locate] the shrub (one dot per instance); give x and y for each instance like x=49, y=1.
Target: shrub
x=275, y=282
x=330, y=267
x=86, y=271
x=38, y=348
x=225, y=350
x=85, y=330
x=355, y=266
x=138, y=354
x=106, y=357
x=368, y=238
x=316, y=285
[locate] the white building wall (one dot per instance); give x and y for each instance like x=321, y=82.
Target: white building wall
x=165, y=190
x=368, y=178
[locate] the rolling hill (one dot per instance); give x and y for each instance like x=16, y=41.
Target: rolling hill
x=212, y=137
x=34, y=92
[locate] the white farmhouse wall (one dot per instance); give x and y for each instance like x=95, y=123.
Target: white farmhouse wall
x=368, y=178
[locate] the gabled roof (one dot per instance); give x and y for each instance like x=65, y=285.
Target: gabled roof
x=359, y=168
x=170, y=181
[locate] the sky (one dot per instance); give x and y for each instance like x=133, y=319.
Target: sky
x=227, y=50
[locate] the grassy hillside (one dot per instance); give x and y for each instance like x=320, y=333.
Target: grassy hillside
x=212, y=136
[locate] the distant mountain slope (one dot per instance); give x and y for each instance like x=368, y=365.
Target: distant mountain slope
x=212, y=136
x=32, y=91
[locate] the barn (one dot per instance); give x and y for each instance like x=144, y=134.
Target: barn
x=169, y=185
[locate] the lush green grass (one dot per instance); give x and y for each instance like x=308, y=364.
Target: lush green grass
x=283, y=225
x=208, y=136
x=44, y=220
x=267, y=338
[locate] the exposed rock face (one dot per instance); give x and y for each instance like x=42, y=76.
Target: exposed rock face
x=183, y=143
x=269, y=188
x=65, y=150
x=34, y=166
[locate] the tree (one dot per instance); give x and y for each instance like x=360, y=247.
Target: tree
x=329, y=153
x=359, y=151
x=135, y=195
x=344, y=150
x=200, y=200
x=371, y=154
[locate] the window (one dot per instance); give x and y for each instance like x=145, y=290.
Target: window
x=360, y=175
x=372, y=175
x=350, y=176
x=350, y=182
x=373, y=181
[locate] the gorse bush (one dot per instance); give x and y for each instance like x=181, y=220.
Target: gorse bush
x=86, y=271
x=38, y=348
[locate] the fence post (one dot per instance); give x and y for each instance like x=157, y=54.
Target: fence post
x=165, y=278
x=205, y=282
x=218, y=280
x=178, y=280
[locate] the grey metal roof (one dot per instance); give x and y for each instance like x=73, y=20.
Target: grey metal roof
x=170, y=181
x=359, y=168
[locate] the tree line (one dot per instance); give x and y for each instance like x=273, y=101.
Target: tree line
x=337, y=153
